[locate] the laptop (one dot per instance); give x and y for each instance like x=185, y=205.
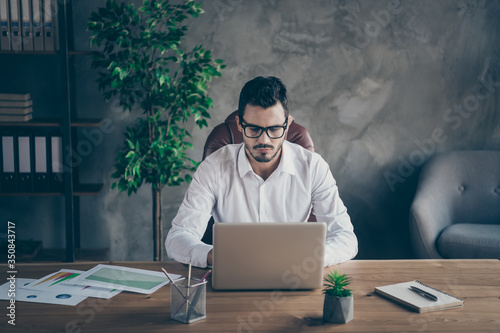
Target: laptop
x=263, y=256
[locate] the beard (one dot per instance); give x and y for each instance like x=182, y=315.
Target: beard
x=263, y=157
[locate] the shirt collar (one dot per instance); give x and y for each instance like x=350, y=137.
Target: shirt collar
x=286, y=164
x=288, y=159
x=244, y=166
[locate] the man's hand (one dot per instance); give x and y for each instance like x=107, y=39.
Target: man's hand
x=209, y=258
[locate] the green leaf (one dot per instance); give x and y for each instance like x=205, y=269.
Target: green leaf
x=116, y=71
x=336, y=285
x=123, y=74
x=142, y=62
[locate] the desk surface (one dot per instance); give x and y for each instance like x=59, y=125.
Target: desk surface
x=477, y=282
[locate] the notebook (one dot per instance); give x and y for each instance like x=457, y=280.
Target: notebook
x=285, y=256
x=402, y=294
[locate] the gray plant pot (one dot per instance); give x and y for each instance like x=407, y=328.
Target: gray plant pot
x=339, y=310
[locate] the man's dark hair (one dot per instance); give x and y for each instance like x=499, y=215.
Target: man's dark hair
x=264, y=92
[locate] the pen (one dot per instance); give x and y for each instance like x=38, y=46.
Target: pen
x=173, y=282
x=197, y=295
x=424, y=293
x=205, y=276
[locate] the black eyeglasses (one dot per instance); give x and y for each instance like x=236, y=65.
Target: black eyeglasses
x=254, y=131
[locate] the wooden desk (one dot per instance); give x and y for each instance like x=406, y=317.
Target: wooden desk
x=477, y=282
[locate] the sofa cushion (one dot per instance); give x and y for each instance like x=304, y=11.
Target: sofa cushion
x=464, y=241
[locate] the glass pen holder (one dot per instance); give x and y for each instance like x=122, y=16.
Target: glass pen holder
x=188, y=303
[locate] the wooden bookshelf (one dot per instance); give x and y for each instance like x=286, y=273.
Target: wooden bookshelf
x=52, y=122
x=58, y=255
x=30, y=52
x=53, y=74
x=87, y=189
x=79, y=190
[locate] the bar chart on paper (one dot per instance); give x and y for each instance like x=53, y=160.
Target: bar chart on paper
x=63, y=282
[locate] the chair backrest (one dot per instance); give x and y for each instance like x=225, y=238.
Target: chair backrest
x=468, y=183
x=227, y=133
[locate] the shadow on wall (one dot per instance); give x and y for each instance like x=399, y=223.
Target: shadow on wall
x=381, y=222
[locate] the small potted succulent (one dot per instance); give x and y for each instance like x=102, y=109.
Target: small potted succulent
x=339, y=304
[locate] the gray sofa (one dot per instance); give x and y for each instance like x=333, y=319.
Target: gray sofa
x=456, y=209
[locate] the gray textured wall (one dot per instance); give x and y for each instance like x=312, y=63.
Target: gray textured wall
x=381, y=86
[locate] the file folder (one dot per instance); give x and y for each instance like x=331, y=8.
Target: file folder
x=25, y=176
x=4, y=26
x=41, y=179
x=15, y=27
x=37, y=25
x=27, y=25
x=56, y=166
x=9, y=179
x=49, y=24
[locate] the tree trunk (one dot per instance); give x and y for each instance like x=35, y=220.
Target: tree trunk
x=157, y=225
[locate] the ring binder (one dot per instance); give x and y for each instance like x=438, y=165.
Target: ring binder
x=49, y=11
x=41, y=179
x=15, y=29
x=4, y=26
x=27, y=26
x=9, y=179
x=25, y=176
x=37, y=25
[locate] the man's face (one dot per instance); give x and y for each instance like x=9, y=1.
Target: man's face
x=263, y=149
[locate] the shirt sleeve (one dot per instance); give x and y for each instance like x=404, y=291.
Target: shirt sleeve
x=341, y=242
x=183, y=242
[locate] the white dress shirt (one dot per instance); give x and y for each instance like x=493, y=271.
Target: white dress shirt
x=224, y=186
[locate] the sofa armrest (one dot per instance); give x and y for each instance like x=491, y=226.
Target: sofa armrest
x=429, y=216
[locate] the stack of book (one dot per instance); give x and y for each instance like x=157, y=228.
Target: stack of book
x=16, y=107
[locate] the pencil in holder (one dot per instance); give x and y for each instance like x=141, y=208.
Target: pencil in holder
x=188, y=301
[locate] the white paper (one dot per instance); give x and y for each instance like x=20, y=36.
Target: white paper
x=37, y=296
x=62, y=282
x=130, y=279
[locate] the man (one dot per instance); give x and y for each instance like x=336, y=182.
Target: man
x=263, y=179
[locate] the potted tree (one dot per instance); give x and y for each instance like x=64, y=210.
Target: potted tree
x=338, y=306
x=142, y=63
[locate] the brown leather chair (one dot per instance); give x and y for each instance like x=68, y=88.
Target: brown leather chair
x=227, y=133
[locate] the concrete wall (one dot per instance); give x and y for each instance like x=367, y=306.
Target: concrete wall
x=381, y=85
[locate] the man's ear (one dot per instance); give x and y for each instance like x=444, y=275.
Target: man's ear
x=238, y=124
x=290, y=121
